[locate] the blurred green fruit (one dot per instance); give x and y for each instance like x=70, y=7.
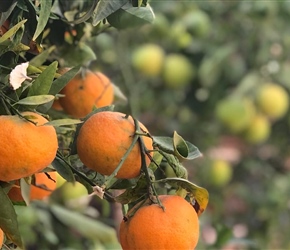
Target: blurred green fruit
x=73, y=190
x=273, y=100
x=220, y=172
x=235, y=113
x=197, y=23
x=177, y=71
x=148, y=59
x=259, y=129
x=59, y=180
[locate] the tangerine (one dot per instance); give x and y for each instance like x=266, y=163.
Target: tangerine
x=85, y=91
x=103, y=140
x=43, y=187
x=152, y=227
x=1, y=238
x=25, y=148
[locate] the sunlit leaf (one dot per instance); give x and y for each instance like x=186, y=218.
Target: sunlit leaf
x=43, y=82
x=200, y=195
x=44, y=13
x=8, y=219
x=64, y=122
x=36, y=100
x=12, y=31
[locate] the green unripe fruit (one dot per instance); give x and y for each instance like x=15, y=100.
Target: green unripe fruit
x=273, y=100
x=220, y=172
x=148, y=59
x=235, y=113
x=259, y=130
x=177, y=71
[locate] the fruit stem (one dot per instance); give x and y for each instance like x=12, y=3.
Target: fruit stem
x=84, y=177
x=110, y=177
x=151, y=188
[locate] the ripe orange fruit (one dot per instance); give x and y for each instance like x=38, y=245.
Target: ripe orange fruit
x=1, y=238
x=84, y=92
x=42, y=188
x=25, y=148
x=104, y=139
x=151, y=227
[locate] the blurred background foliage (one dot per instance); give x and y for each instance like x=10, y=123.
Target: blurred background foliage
x=232, y=50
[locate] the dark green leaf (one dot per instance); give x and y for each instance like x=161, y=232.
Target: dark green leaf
x=60, y=82
x=44, y=13
x=36, y=100
x=130, y=17
x=43, y=82
x=63, y=169
x=8, y=219
x=106, y=8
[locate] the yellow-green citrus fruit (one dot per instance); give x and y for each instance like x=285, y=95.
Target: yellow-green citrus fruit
x=258, y=130
x=273, y=100
x=153, y=228
x=177, y=71
x=220, y=172
x=148, y=59
x=235, y=113
x=25, y=148
x=73, y=190
x=104, y=139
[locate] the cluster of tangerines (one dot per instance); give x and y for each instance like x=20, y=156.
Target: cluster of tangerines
x=29, y=144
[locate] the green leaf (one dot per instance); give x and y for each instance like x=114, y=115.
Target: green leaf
x=43, y=82
x=106, y=8
x=8, y=219
x=85, y=226
x=63, y=122
x=36, y=100
x=60, y=82
x=180, y=146
x=200, y=194
x=63, y=169
x=41, y=58
x=131, y=17
x=12, y=31
x=25, y=190
x=45, y=8
x=166, y=144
